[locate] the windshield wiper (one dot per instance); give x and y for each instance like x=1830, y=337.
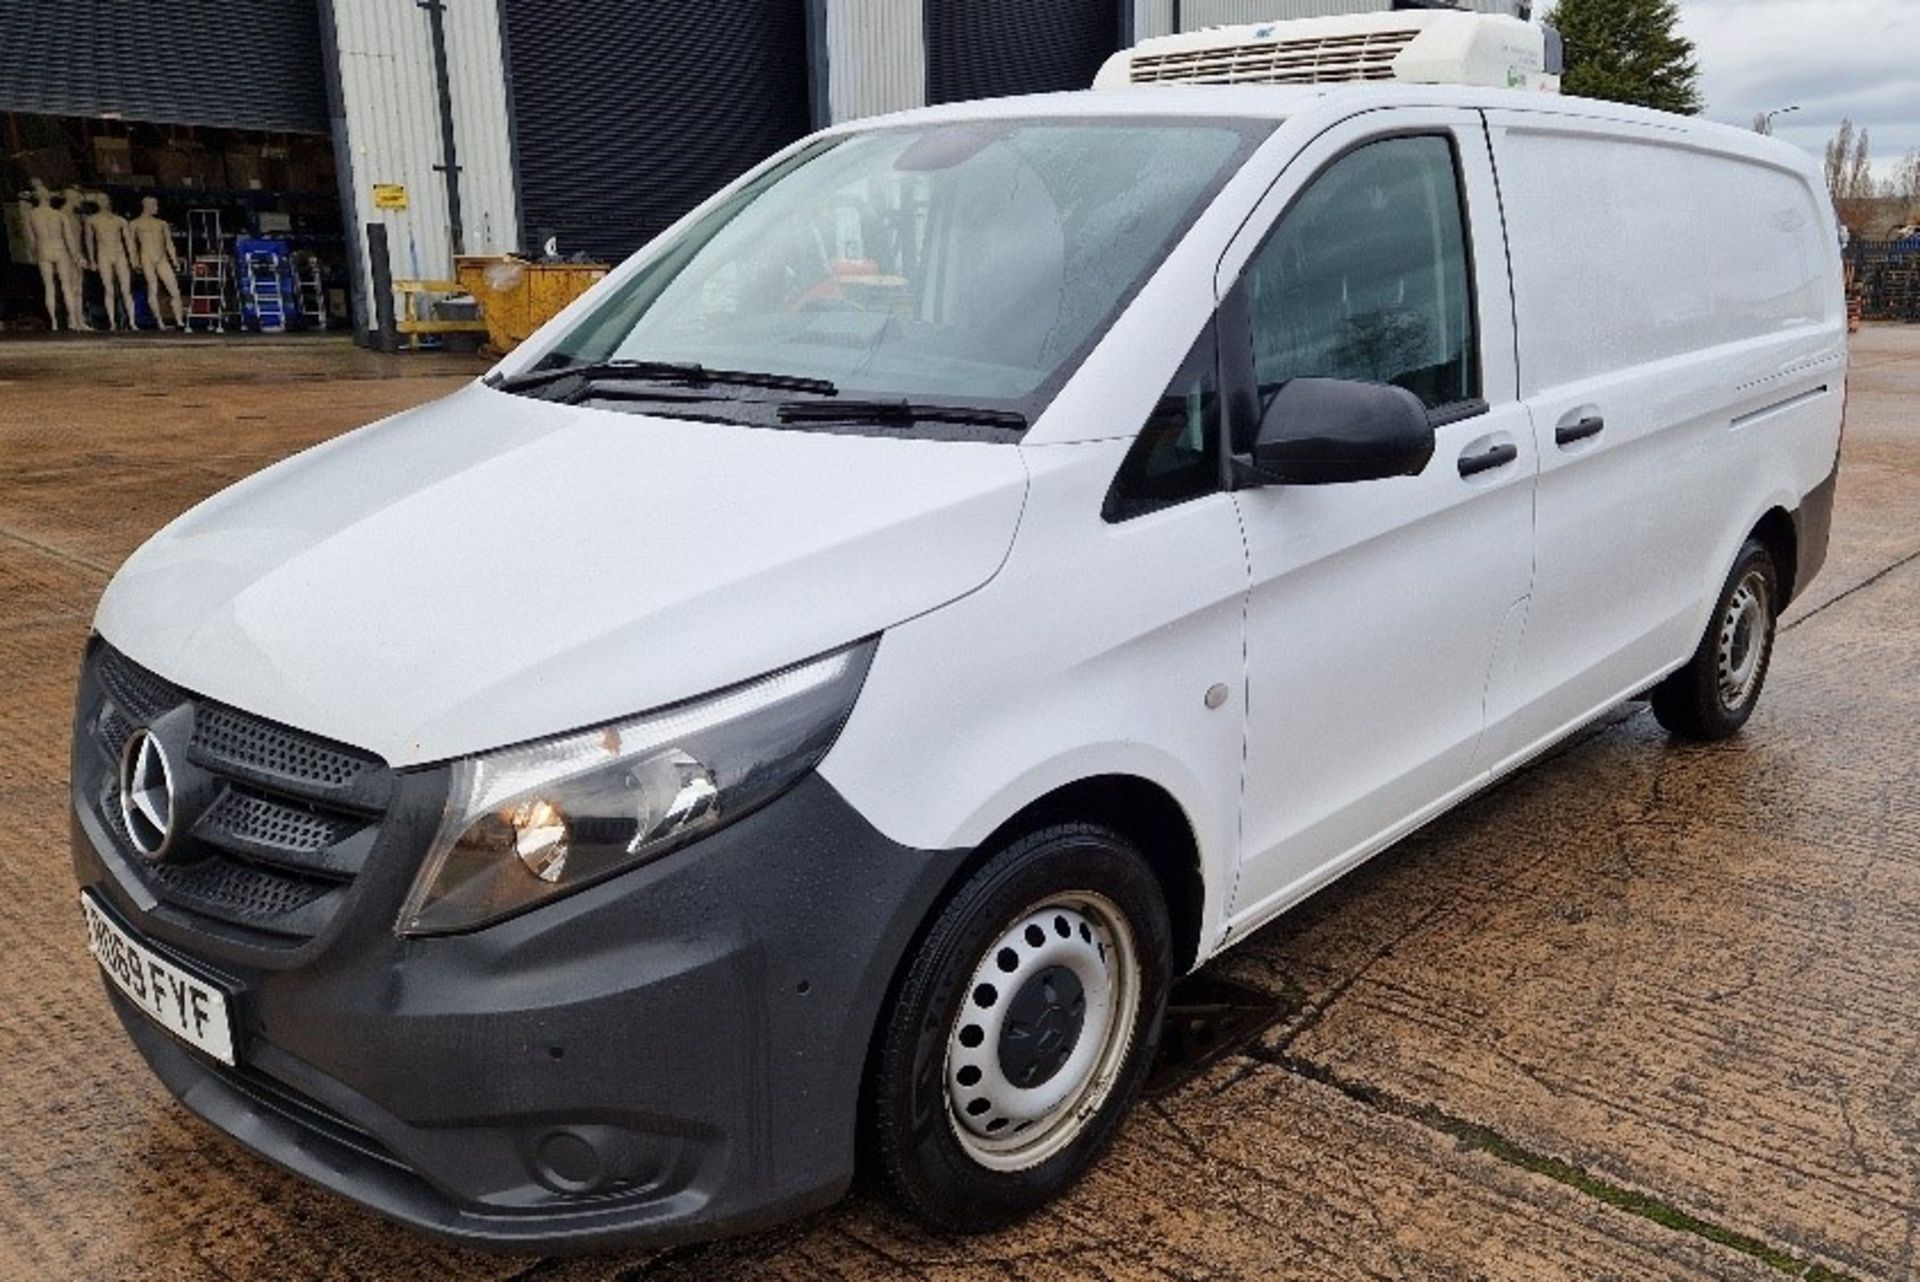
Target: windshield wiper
x=683, y=373
x=839, y=411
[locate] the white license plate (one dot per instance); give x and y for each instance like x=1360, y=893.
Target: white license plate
x=191, y=1009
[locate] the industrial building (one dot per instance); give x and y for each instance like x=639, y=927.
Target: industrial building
x=484, y=126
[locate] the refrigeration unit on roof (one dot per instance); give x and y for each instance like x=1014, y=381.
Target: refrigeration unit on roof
x=1415, y=46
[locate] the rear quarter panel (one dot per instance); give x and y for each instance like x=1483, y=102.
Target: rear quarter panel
x=1691, y=275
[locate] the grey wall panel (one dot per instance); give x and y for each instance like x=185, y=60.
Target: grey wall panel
x=627, y=115
x=992, y=48
x=391, y=114
x=1152, y=18
x=197, y=62
x=876, y=56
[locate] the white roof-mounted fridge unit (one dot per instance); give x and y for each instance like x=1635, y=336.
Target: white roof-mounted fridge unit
x=1411, y=46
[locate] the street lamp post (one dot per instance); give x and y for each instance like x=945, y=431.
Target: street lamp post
x=1777, y=111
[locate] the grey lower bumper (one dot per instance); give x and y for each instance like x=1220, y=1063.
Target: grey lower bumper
x=673, y=1054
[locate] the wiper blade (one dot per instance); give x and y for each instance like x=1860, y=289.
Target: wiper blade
x=845, y=411
x=665, y=370
x=685, y=373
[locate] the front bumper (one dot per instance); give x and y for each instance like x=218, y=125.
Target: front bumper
x=675, y=1053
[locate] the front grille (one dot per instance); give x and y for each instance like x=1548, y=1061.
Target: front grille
x=1314, y=61
x=287, y=817
x=262, y=823
x=136, y=692
x=236, y=892
x=257, y=747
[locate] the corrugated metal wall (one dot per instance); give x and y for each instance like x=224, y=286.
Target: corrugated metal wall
x=1155, y=17
x=626, y=115
x=993, y=48
x=876, y=57
x=391, y=110
x=189, y=62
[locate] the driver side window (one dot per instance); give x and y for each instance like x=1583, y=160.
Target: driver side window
x=1366, y=278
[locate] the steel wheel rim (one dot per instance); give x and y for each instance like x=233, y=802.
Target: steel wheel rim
x=1008, y=1126
x=1742, y=641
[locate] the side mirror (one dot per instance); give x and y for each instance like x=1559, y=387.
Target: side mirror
x=1326, y=431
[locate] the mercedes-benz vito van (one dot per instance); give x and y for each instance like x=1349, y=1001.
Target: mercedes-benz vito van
x=816, y=696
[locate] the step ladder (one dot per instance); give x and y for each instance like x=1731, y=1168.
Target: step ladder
x=205, y=235
x=262, y=291
x=311, y=290
x=207, y=296
x=209, y=293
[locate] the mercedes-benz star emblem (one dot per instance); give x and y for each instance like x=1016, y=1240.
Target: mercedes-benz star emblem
x=146, y=794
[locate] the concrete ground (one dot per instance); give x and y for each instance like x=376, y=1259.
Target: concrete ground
x=1643, y=1011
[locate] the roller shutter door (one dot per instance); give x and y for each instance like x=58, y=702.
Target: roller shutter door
x=627, y=115
x=193, y=62
x=992, y=48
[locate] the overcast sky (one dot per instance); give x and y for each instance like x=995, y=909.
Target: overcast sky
x=1832, y=58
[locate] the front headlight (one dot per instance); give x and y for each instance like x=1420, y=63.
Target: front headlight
x=527, y=824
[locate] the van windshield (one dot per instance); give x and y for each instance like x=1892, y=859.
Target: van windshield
x=966, y=263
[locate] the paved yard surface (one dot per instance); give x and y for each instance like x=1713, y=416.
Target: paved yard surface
x=1643, y=1011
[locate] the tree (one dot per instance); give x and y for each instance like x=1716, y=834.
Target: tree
x=1856, y=193
x=1860, y=184
x=1906, y=179
x=1628, y=51
x=1839, y=160
x=1849, y=164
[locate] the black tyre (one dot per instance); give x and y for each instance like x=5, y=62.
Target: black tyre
x=1712, y=697
x=1022, y=1029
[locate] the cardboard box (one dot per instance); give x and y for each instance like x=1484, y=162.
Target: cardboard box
x=246, y=168
x=179, y=166
x=51, y=165
x=173, y=167
x=112, y=157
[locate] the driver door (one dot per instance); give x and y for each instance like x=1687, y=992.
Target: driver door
x=1380, y=613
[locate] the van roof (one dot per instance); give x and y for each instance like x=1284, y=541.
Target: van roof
x=1285, y=102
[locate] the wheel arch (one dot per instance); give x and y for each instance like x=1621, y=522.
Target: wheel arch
x=1774, y=522
x=1147, y=815
x=1778, y=533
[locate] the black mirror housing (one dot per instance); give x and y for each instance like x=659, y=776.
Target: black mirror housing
x=1329, y=431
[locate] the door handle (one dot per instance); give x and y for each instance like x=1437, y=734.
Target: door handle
x=1568, y=433
x=1487, y=460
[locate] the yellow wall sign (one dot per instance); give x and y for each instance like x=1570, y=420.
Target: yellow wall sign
x=389, y=196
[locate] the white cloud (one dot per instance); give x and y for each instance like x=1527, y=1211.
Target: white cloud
x=1831, y=58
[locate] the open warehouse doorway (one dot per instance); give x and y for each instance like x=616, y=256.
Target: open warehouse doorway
x=180, y=150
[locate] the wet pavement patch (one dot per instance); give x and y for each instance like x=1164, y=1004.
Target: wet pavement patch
x=1484, y=1139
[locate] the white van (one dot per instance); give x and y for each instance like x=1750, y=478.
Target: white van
x=816, y=696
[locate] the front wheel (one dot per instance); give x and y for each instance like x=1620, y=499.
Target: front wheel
x=1022, y=1030
x=1712, y=697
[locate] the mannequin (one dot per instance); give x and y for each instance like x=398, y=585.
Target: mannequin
x=153, y=251
x=71, y=200
x=110, y=245
x=58, y=255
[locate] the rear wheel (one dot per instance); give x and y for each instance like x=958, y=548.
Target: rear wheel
x=1022, y=1030
x=1712, y=697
